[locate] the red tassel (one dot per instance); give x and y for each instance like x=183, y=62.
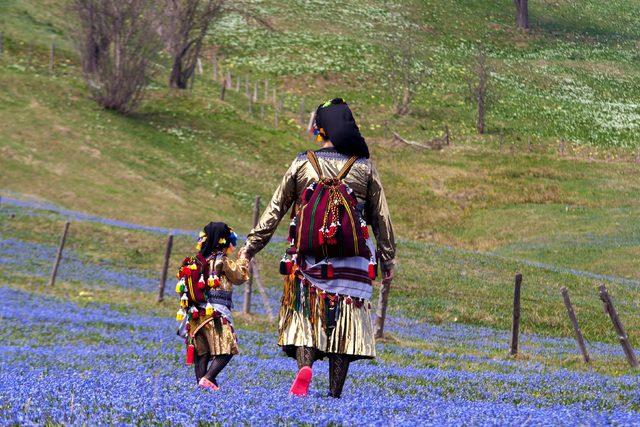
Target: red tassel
x=288, y=266
x=195, y=314
x=191, y=354
x=320, y=237
x=365, y=232
x=329, y=271
x=372, y=270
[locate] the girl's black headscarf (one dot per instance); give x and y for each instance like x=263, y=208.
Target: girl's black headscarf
x=336, y=119
x=214, y=232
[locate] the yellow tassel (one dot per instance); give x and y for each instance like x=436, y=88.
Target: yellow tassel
x=208, y=309
x=198, y=246
x=211, y=282
x=180, y=315
x=193, y=267
x=319, y=138
x=184, y=301
x=202, y=234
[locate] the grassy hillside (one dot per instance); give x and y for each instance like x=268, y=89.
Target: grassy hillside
x=187, y=157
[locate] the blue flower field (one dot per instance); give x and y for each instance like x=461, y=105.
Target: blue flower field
x=94, y=363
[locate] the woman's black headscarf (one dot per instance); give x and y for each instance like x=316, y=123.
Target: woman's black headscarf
x=214, y=232
x=336, y=120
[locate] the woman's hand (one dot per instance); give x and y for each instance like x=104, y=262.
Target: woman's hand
x=387, y=275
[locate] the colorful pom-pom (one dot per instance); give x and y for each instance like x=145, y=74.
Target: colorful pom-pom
x=208, y=309
x=180, y=286
x=372, y=270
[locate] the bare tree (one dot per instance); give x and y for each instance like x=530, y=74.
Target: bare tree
x=405, y=75
x=183, y=26
x=117, y=46
x=522, y=13
x=478, y=88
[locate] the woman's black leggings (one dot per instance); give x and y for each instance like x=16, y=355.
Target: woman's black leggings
x=338, y=367
x=203, y=368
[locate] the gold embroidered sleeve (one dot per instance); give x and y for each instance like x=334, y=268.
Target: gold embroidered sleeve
x=282, y=199
x=378, y=216
x=236, y=271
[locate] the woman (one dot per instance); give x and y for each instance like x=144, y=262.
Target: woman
x=322, y=316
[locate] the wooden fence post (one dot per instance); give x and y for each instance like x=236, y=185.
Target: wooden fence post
x=263, y=293
x=312, y=118
x=515, y=327
x=165, y=267
x=617, y=324
x=274, y=96
x=447, y=136
x=199, y=66
x=255, y=92
x=246, y=86
x=52, y=56
x=29, y=55
x=223, y=89
x=228, y=80
x=574, y=322
x=266, y=90
x=214, y=65
x=54, y=271
x=275, y=117
x=381, y=310
x=246, y=308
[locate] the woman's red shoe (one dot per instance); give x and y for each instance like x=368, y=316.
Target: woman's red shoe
x=300, y=386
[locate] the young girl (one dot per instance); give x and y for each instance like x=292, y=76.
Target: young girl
x=206, y=283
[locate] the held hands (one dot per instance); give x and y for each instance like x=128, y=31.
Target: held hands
x=242, y=254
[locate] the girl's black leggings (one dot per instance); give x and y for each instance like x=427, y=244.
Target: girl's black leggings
x=211, y=371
